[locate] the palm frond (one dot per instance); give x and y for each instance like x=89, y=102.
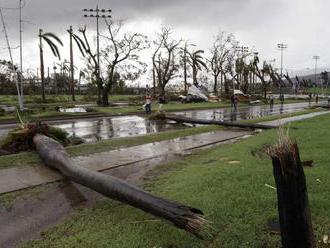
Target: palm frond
x=80, y=44
x=53, y=47
x=51, y=35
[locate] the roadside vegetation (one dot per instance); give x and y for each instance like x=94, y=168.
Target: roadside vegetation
x=30, y=158
x=227, y=182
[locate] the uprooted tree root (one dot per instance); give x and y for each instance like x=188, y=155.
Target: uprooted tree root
x=21, y=139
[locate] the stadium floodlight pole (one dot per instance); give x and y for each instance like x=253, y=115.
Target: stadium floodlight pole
x=98, y=15
x=316, y=58
x=282, y=47
x=243, y=50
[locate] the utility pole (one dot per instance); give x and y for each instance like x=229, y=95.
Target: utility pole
x=316, y=58
x=12, y=62
x=282, y=47
x=97, y=16
x=55, y=83
x=71, y=65
x=21, y=53
x=185, y=68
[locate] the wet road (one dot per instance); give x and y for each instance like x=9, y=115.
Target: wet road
x=244, y=113
x=92, y=130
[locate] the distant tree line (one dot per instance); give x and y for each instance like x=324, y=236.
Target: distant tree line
x=173, y=61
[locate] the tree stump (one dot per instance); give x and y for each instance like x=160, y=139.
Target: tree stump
x=293, y=208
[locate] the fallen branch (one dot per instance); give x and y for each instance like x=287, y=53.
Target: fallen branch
x=178, y=118
x=190, y=219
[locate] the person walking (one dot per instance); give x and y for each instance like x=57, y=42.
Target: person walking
x=282, y=98
x=310, y=98
x=317, y=99
x=232, y=100
x=235, y=102
x=148, y=104
x=271, y=101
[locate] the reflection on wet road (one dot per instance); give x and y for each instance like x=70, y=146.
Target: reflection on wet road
x=244, y=113
x=115, y=127
x=92, y=130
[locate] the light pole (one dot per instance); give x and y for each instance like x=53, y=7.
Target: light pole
x=316, y=58
x=243, y=50
x=99, y=13
x=282, y=47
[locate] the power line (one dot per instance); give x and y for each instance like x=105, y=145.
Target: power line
x=100, y=13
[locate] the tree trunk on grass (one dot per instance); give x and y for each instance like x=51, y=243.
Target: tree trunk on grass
x=213, y=122
x=54, y=155
x=294, y=213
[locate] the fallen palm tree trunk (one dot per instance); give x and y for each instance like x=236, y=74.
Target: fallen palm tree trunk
x=213, y=122
x=293, y=208
x=185, y=217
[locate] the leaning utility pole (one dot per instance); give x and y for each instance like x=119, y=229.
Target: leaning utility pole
x=21, y=53
x=71, y=65
x=185, y=68
x=20, y=103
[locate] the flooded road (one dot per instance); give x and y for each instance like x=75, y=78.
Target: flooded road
x=92, y=130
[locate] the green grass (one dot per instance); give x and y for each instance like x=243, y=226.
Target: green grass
x=319, y=90
x=233, y=197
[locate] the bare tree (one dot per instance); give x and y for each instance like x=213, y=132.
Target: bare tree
x=262, y=74
x=164, y=59
x=91, y=59
x=122, y=53
x=220, y=52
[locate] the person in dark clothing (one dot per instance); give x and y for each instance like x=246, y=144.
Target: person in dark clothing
x=282, y=98
x=234, y=100
x=148, y=104
x=317, y=99
x=271, y=101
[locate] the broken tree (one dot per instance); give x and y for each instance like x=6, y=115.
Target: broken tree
x=293, y=208
x=190, y=219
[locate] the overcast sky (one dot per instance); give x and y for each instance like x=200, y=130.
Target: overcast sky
x=261, y=24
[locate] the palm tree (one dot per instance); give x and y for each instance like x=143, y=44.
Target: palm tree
x=197, y=62
x=48, y=37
